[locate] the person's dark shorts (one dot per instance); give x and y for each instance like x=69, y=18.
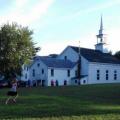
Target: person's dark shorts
x=11, y=93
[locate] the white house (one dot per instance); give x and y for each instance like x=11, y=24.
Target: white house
x=47, y=71
x=76, y=66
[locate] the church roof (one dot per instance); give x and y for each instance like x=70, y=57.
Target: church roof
x=58, y=63
x=96, y=55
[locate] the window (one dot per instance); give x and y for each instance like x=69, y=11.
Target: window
x=65, y=82
x=43, y=82
x=84, y=81
x=98, y=74
x=42, y=71
x=26, y=76
x=27, y=68
x=115, y=75
x=52, y=83
x=68, y=73
x=75, y=81
x=38, y=64
x=33, y=73
x=52, y=72
x=76, y=73
x=65, y=57
x=57, y=83
x=107, y=77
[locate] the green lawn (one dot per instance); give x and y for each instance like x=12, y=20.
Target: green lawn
x=89, y=102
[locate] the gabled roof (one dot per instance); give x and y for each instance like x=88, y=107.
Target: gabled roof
x=57, y=63
x=96, y=56
x=36, y=58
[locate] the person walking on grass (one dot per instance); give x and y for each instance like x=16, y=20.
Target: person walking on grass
x=12, y=93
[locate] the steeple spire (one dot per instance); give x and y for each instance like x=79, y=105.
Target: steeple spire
x=101, y=24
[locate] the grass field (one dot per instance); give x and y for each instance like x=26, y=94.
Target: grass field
x=89, y=102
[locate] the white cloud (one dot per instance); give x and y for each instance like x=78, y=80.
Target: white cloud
x=88, y=41
x=102, y=6
x=39, y=10
x=56, y=46
x=20, y=3
x=52, y=48
x=99, y=7
x=20, y=14
x=114, y=39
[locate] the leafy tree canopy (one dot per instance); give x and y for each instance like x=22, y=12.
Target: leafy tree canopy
x=16, y=48
x=117, y=55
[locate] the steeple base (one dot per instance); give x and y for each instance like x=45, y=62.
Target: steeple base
x=102, y=47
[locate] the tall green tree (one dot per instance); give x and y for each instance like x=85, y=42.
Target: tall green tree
x=16, y=48
x=117, y=55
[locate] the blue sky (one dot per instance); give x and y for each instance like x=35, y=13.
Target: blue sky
x=59, y=23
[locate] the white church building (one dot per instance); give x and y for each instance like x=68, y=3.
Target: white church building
x=75, y=66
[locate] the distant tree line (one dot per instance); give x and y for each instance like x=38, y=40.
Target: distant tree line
x=117, y=55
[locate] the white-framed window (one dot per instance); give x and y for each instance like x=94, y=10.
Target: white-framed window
x=84, y=81
x=33, y=73
x=42, y=71
x=115, y=75
x=107, y=74
x=26, y=76
x=38, y=64
x=98, y=75
x=27, y=68
x=52, y=72
x=75, y=73
x=76, y=81
x=68, y=73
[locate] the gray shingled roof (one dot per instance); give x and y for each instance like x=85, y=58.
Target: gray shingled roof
x=58, y=63
x=96, y=56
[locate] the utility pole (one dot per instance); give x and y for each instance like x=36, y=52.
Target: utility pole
x=79, y=64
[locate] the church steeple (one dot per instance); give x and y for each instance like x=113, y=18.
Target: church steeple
x=101, y=38
x=101, y=24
